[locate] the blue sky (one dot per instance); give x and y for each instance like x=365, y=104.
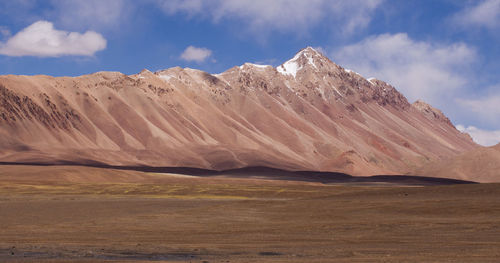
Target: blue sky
x=446, y=52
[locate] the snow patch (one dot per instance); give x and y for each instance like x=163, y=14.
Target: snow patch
x=372, y=80
x=165, y=77
x=289, y=68
x=254, y=65
x=310, y=60
x=352, y=71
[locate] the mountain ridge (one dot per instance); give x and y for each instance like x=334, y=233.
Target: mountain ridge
x=321, y=118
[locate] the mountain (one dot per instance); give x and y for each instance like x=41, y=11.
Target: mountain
x=481, y=165
x=306, y=114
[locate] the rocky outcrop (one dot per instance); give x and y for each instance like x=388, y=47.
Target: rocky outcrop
x=431, y=112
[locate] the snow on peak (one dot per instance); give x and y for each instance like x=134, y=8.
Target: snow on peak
x=310, y=60
x=165, y=77
x=311, y=49
x=308, y=52
x=142, y=74
x=289, y=68
x=292, y=66
x=254, y=65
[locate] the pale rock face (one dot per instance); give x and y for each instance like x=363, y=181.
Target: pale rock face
x=306, y=114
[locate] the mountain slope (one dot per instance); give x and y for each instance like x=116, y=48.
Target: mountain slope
x=481, y=165
x=306, y=114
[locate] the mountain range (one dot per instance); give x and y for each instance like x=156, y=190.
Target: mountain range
x=307, y=114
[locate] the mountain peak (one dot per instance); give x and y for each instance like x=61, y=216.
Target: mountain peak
x=321, y=118
x=306, y=57
x=310, y=50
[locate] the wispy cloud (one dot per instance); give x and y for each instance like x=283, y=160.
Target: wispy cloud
x=420, y=70
x=486, y=108
x=441, y=74
x=483, y=137
x=41, y=39
x=197, y=54
x=90, y=14
x=263, y=16
x=484, y=13
x=71, y=14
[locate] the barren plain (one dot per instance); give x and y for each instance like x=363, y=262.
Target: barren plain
x=83, y=214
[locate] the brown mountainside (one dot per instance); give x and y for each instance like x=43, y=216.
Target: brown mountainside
x=307, y=114
x=481, y=165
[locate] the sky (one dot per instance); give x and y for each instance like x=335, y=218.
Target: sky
x=444, y=52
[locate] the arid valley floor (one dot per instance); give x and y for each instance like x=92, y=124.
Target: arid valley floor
x=83, y=214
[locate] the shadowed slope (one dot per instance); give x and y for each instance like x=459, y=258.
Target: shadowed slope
x=120, y=174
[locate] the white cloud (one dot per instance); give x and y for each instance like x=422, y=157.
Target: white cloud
x=41, y=39
x=483, y=137
x=441, y=74
x=198, y=54
x=95, y=14
x=484, y=13
x=190, y=7
x=74, y=15
x=420, y=70
x=486, y=108
x=261, y=16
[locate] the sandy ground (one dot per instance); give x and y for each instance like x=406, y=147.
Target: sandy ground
x=55, y=214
